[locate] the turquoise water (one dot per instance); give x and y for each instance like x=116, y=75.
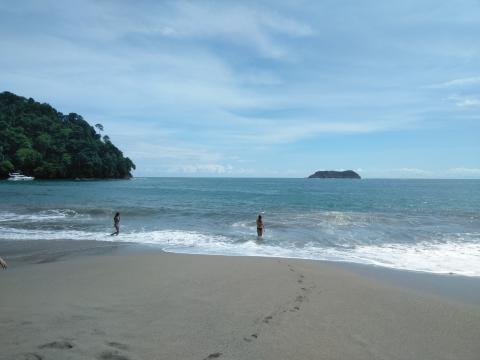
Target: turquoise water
x=423, y=225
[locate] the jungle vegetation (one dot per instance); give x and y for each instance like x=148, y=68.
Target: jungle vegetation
x=42, y=142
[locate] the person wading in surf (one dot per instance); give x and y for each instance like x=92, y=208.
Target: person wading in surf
x=116, y=224
x=3, y=264
x=260, y=226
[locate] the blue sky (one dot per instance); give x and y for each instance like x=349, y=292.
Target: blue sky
x=260, y=88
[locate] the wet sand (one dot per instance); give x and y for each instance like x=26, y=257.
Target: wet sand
x=126, y=302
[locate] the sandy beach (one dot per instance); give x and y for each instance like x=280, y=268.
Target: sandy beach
x=129, y=303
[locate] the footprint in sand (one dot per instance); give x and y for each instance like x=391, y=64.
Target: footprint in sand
x=32, y=356
x=61, y=345
x=213, y=356
x=251, y=338
x=267, y=319
x=117, y=345
x=112, y=355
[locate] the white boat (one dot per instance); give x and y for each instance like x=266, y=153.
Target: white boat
x=16, y=176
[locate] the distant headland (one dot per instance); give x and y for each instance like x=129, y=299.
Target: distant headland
x=39, y=141
x=330, y=174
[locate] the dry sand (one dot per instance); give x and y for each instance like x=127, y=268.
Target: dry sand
x=152, y=305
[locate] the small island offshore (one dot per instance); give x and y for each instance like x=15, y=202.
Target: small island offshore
x=46, y=144
x=330, y=174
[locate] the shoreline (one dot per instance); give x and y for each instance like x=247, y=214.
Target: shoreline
x=451, y=287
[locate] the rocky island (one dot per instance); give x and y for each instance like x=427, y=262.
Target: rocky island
x=42, y=142
x=330, y=174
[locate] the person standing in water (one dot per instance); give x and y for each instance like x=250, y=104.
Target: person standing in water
x=116, y=224
x=3, y=263
x=260, y=226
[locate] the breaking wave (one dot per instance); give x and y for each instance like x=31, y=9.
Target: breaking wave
x=445, y=257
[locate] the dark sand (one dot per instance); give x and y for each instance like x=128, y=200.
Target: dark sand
x=129, y=303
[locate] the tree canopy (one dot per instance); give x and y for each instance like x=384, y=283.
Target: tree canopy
x=42, y=142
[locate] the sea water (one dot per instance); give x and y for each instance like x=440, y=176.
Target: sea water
x=420, y=225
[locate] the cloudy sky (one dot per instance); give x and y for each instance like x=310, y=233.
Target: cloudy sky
x=260, y=88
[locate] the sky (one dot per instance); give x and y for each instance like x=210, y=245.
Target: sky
x=276, y=88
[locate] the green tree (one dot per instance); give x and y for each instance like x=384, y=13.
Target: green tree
x=46, y=171
x=28, y=159
x=6, y=167
x=43, y=142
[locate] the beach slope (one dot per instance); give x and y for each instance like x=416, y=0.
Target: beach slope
x=165, y=306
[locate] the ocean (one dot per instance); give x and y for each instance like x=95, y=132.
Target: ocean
x=420, y=225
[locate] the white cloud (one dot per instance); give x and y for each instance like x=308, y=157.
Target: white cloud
x=464, y=171
x=456, y=83
x=465, y=101
x=399, y=173
x=276, y=132
x=418, y=173
x=173, y=154
x=251, y=26
x=413, y=171
x=203, y=168
x=210, y=169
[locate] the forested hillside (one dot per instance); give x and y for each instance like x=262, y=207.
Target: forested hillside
x=42, y=142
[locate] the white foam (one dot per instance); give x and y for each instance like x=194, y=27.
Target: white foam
x=446, y=258
x=441, y=258
x=24, y=234
x=458, y=257
x=45, y=215
x=167, y=238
